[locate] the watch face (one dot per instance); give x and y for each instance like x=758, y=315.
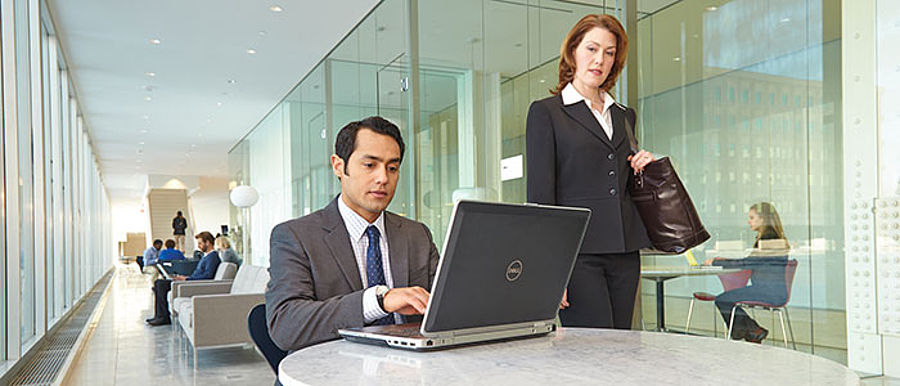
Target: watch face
x=381, y=290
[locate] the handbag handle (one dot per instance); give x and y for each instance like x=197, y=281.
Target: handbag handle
x=639, y=178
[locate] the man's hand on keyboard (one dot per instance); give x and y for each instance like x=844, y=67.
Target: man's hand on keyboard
x=406, y=301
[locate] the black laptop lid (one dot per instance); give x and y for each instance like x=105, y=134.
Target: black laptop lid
x=503, y=264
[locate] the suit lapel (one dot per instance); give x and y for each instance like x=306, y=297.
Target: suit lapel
x=339, y=243
x=619, y=125
x=398, y=244
x=582, y=114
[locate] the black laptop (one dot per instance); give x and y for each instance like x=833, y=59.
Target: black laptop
x=502, y=274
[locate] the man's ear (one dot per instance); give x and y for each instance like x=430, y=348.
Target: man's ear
x=337, y=165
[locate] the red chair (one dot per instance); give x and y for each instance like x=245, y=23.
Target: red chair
x=729, y=281
x=781, y=309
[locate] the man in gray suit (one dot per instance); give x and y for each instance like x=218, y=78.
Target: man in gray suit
x=352, y=263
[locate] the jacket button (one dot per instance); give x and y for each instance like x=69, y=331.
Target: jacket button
x=611, y=156
x=612, y=192
x=612, y=172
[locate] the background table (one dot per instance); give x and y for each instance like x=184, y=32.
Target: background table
x=571, y=356
x=661, y=274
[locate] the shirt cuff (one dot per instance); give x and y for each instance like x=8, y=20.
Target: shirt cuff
x=371, y=310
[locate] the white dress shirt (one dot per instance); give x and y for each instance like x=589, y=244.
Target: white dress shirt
x=571, y=96
x=356, y=229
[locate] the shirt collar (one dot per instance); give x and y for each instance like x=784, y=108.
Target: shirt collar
x=571, y=96
x=356, y=225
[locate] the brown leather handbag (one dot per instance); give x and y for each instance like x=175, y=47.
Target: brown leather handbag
x=672, y=222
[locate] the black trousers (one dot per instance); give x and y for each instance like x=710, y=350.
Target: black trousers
x=161, y=288
x=602, y=290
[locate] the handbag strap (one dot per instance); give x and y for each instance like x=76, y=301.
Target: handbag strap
x=629, y=131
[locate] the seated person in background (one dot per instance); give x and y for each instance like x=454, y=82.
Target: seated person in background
x=226, y=254
x=206, y=269
x=351, y=263
x=767, y=280
x=151, y=256
x=170, y=253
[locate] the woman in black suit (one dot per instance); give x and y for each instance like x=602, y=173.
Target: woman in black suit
x=578, y=154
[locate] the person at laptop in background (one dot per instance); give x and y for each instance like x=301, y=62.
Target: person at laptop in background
x=767, y=263
x=351, y=263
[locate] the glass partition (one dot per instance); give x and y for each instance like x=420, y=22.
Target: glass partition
x=744, y=96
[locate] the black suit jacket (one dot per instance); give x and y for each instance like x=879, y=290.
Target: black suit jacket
x=571, y=162
x=315, y=287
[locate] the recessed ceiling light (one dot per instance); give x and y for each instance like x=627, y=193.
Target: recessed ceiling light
x=276, y=8
x=676, y=59
x=251, y=51
x=148, y=99
x=261, y=33
x=219, y=104
x=231, y=81
x=712, y=8
x=786, y=20
x=155, y=41
x=141, y=143
x=150, y=73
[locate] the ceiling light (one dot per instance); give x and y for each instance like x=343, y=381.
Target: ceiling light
x=786, y=20
x=251, y=51
x=219, y=104
x=261, y=33
x=155, y=41
x=141, y=143
x=712, y=8
x=231, y=81
x=150, y=74
x=276, y=8
x=146, y=117
x=148, y=99
x=676, y=59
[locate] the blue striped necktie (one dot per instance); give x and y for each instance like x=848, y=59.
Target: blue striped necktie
x=374, y=268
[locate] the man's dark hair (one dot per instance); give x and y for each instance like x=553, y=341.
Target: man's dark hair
x=345, y=143
x=170, y=244
x=205, y=236
x=157, y=242
x=178, y=213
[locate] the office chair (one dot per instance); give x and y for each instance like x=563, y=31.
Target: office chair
x=780, y=309
x=259, y=332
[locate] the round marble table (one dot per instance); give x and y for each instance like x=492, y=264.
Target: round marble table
x=570, y=356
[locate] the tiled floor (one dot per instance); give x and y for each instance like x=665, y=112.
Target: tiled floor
x=123, y=350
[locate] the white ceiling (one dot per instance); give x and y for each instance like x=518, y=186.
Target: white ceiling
x=183, y=129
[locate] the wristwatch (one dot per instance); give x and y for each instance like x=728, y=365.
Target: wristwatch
x=380, y=291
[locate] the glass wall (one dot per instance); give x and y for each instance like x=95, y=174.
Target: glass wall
x=49, y=170
x=743, y=95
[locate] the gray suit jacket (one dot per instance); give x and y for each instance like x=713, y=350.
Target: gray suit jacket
x=314, y=286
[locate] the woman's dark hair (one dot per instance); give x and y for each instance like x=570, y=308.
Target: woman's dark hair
x=170, y=244
x=345, y=143
x=771, y=221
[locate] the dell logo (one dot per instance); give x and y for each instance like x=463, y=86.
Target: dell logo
x=514, y=270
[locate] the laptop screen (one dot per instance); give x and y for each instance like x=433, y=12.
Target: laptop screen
x=504, y=264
